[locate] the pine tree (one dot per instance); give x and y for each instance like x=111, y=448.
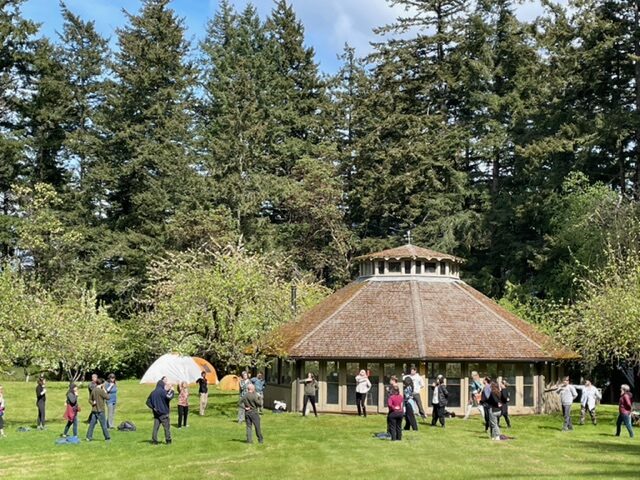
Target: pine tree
x=410, y=170
x=146, y=160
x=16, y=63
x=305, y=197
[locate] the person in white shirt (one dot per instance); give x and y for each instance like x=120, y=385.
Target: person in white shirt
x=418, y=385
x=590, y=395
x=363, y=385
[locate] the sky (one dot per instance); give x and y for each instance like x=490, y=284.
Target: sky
x=329, y=24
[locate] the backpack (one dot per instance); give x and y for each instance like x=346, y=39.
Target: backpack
x=127, y=426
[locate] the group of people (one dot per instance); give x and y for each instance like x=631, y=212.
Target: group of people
x=590, y=395
x=490, y=397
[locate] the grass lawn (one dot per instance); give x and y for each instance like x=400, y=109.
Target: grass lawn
x=296, y=447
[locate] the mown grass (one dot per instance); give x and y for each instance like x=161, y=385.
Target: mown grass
x=331, y=446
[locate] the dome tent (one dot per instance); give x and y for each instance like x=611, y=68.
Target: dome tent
x=230, y=383
x=178, y=368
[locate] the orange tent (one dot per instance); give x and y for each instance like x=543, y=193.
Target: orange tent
x=212, y=376
x=229, y=383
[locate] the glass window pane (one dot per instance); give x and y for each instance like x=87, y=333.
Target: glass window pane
x=453, y=370
x=528, y=373
x=380, y=268
x=389, y=369
x=394, y=267
x=528, y=395
x=430, y=267
x=373, y=370
x=333, y=383
x=443, y=268
x=418, y=267
x=407, y=266
x=433, y=370
x=353, y=368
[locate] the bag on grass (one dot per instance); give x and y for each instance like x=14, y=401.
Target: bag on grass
x=127, y=426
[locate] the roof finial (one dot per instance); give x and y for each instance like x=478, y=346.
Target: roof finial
x=409, y=237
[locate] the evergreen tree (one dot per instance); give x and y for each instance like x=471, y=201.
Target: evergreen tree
x=16, y=60
x=146, y=159
x=410, y=171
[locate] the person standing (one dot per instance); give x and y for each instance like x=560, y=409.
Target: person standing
x=112, y=390
x=418, y=385
x=41, y=401
x=395, y=403
x=495, y=410
x=98, y=398
x=588, y=400
x=92, y=384
x=183, y=404
x=243, y=387
x=567, y=394
x=484, y=396
x=259, y=383
x=158, y=402
x=203, y=391
x=505, y=398
x=475, y=394
x=310, y=389
x=439, y=401
x=251, y=402
x=410, y=407
x=363, y=385
x=71, y=411
x=2, y=408
x=624, y=410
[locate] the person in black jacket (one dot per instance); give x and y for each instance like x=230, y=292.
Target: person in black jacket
x=504, y=400
x=439, y=401
x=495, y=410
x=41, y=400
x=158, y=402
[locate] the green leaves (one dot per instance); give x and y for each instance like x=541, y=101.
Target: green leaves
x=220, y=304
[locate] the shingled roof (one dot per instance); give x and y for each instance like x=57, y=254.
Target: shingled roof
x=432, y=319
x=409, y=251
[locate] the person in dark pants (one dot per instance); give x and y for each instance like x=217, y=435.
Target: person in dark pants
x=310, y=389
x=71, y=412
x=410, y=407
x=439, y=401
x=363, y=385
x=252, y=403
x=41, y=401
x=92, y=384
x=504, y=401
x=486, y=393
x=183, y=404
x=98, y=398
x=624, y=409
x=158, y=402
x=395, y=402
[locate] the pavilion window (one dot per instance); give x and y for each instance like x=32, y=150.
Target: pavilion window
x=508, y=373
x=430, y=267
x=407, y=267
x=381, y=268
x=453, y=376
x=395, y=267
x=272, y=372
x=527, y=387
x=418, y=267
x=443, y=268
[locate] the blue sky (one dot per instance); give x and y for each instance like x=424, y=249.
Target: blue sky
x=328, y=23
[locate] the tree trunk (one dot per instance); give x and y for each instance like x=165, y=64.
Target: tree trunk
x=636, y=49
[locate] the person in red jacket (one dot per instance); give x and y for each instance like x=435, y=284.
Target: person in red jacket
x=396, y=413
x=624, y=407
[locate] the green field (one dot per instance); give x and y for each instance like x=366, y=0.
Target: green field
x=296, y=447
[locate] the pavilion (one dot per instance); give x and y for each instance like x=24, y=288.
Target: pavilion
x=408, y=307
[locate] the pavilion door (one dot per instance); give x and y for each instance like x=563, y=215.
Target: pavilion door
x=350, y=371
